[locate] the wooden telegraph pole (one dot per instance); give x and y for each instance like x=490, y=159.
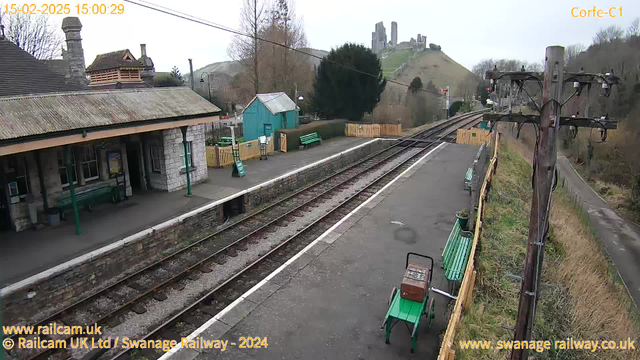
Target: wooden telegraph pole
x=543, y=181
x=544, y=162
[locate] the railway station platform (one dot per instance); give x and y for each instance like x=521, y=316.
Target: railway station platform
x=30, y=252
x=329, y=302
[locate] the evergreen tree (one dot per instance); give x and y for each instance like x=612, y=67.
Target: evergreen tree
x=341, y=92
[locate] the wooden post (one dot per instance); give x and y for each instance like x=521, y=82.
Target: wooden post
x=545, y=165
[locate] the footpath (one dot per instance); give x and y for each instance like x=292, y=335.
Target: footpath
x=621, y=238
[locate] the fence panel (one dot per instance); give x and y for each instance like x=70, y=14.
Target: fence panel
x=472, y=136
x=248, y=150
x=283, y=142
x=372, y=130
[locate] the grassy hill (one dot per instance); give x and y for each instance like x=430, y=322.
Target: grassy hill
x=393, y=60
x=429, y=64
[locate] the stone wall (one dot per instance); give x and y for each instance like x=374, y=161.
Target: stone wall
x=172, y=145
x=56, y=289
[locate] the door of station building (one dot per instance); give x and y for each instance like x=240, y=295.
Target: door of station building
x=133, y=160
x=267, y=130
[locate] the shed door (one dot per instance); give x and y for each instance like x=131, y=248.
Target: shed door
x=267, y=130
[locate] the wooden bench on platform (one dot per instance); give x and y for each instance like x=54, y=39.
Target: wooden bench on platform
x=456, y=255
x=87, y=198
x=309, y=139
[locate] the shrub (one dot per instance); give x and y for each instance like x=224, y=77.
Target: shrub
x=325, y=129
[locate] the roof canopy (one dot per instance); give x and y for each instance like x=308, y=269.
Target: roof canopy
x=114, y=60
x=24, y=116
x=276, y=102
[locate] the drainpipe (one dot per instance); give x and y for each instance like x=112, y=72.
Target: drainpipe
x=43, y=188
x=67, y=159
x=186, y=159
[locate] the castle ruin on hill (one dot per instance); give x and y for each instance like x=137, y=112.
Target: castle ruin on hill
x=379, y=39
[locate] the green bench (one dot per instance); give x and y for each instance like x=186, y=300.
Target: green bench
x=87, y=198
x=225, y=141
x=456, y=255
x=468, y=177
x=310, y=139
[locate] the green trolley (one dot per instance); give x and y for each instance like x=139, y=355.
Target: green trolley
x=408, y=311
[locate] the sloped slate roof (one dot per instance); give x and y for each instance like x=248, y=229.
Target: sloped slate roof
x=276, y=102
x=113, y=60
x=21, y=73
x=23, y=116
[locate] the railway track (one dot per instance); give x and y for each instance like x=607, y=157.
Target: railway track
x=109, y=307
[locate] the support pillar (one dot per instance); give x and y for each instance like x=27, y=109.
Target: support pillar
x=186, y=159
x=43, y=188
x=68, y=154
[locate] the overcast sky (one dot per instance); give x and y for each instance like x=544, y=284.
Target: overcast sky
x=468, y=30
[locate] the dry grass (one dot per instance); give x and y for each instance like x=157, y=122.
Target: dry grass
x=600, y=307
x=583, y=300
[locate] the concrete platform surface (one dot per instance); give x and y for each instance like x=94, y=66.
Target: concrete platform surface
x=29, y=252
x=331, y=301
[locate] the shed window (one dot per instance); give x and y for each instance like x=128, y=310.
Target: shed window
x=156, y=157
x=62, y=169
x=89, y=163
x=189, y=155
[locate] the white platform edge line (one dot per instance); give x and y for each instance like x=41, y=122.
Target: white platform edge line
x=9, y=289
x=242, y=297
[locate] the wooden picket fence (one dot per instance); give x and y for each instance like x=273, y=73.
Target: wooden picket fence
x=223, y=156
x=372, y=130
x=468, y=282
x=473, y=136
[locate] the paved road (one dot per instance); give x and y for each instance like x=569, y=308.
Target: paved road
x=621, y=238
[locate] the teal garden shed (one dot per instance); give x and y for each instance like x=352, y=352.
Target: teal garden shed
x=267, y=113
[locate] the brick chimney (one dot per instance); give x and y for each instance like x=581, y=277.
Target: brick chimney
x=74, y=55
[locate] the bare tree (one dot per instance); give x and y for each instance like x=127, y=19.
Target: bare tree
x=245, y=49
x=35, y=34
x=608, y=34
x=571, y=52
x=285, y=67
x=634, y=28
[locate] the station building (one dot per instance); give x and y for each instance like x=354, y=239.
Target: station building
x=112, y=134
x=131, y=139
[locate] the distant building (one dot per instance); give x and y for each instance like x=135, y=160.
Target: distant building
x=114, y=70
x=394, y=33
x=267, y=113
x=379, y=38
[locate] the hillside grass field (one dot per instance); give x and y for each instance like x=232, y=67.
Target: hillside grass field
x=394, y=60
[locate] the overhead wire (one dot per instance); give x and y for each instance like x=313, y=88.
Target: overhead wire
x=188, y=17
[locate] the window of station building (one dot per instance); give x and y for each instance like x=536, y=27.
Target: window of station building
x=156, y=157
x=89, y=163
x=17, y=177
x=189, y=155
x=62, y=169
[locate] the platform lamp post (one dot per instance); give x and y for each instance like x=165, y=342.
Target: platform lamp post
x=208, y=82
x=186, y=157
x=297, y=97
x=68, y=156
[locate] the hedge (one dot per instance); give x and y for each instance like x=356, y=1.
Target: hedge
x=325, y=129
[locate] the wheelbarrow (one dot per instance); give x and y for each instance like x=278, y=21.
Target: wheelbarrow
x=409, y=303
